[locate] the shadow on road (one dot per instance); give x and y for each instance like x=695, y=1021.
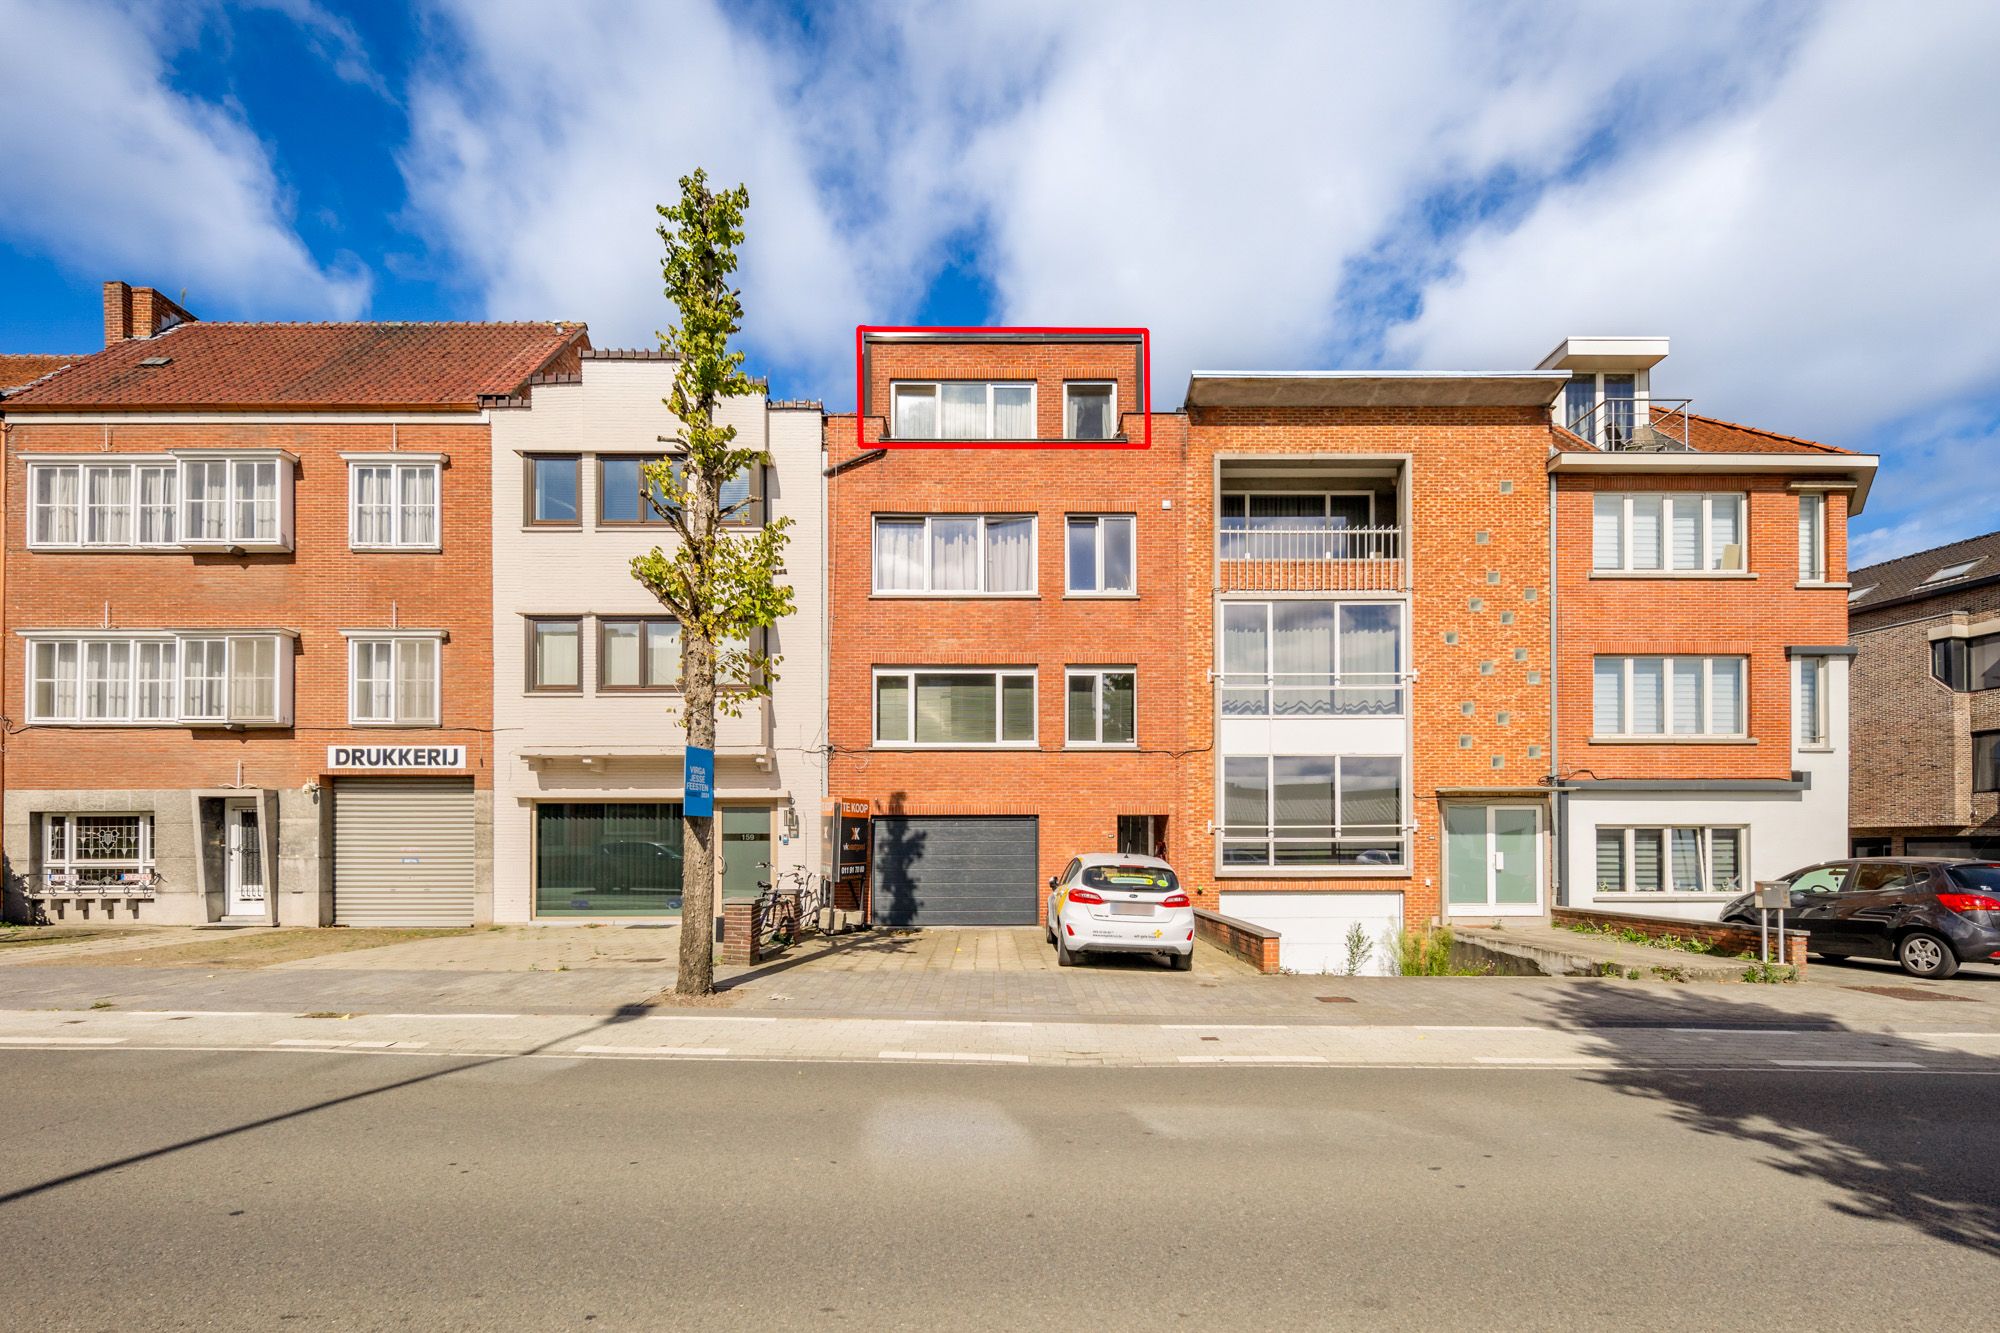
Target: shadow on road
x=1895, y=1146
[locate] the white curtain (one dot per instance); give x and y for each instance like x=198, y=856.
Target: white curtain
x=899, y=555
x=1013, y=412
x=962, y=412
x=256, y=502
x=1010, y=555
x=1370, y=649
x=108, y=506
x=155, y=690
x=416, y=680
x=557, y=654
x=253, y=679
x=373, y=519
x=205, y=484
x=955, y=554
x=419, y=504
x=55, y=505
x=1725, y=530
x=663, y=653
x=1302, y=657
x=202, y=670
x=371, y=681
x=621, y=653
x=1245, y=659
x=156, y=505
x=107, y=680
x=1687, y=694
x=1648, y=696
x=1726, y=682
x=958, y=709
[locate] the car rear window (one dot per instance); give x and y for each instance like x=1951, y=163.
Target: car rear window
x=1142, y=879
x=1984, y=878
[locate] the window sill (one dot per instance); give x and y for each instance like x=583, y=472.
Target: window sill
x=1672, y=740
x=1672, y=574
x=1816, y=749
x=1088, y=747
x=397, y=550
x=165, y=548
x=998, y=441
x=915, y=747
x=1100, y=596
x=954, y=596
x=1641, y=896
x=1312, y=872
x=1822, y=583
x=360, y=725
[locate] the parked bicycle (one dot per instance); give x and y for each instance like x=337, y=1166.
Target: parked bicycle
x=785, y=907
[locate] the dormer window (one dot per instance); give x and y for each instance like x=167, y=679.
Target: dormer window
x=1601, y=406
x=963, y=410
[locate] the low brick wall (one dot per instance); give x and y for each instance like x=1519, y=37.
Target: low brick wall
x=1255, y=945
x=1727, y=939
x=740, y=946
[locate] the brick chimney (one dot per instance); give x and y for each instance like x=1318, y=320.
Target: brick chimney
x=137, y=312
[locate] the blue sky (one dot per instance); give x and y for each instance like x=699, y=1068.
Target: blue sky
x=1790, y=191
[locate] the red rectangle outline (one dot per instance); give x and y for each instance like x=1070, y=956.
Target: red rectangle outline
x=861, y=332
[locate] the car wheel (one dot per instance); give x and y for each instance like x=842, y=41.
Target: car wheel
x=1064, y=958
x=1183, y=962
x=1925, y=955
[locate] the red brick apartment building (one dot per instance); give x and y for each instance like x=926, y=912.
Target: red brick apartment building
x=1390, y=647
x=248, y=618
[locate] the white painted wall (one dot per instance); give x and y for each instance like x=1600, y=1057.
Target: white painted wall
x=1786, y=830
x=1312, y=927
x=635, y=741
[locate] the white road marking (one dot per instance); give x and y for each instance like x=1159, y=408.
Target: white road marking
x=967, y=1022
x=316, y=1043
x=1252, y=1059
x=705, y=1018
x=437, y=1015
x=1847, y=1064
x=1230, y=1027
x=960, y=1057
x=651, y=1050
x=337, y=1044
x=61, y=1041
x=1565, y=1061
x=1469, y=1027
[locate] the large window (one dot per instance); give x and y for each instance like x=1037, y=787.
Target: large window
x=1967, y=665
x=161, y=503
x=606, y=859
x=1812, y=702
x=1668, y=696
x=623, y=499
x=1100, y=555
x=1312, y=658
x=963, y=410
x=1312, y=810
x=1669, y=860
x=97, y=851
x=393, y=680
x=1673, y=533
x=638, y=654
x=552, y=484
x=1100, y=705
x=1986, y=761
x=555, y=654
x=1090, y=410
x=160, y=680
x=947, y=707
x=968, y=554
x=394, y=505
x=1812, y=538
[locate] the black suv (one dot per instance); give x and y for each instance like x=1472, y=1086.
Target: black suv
x=1928, y=914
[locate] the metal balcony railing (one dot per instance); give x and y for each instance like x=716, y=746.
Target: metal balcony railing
x=1310, y=555
x=1636, y=425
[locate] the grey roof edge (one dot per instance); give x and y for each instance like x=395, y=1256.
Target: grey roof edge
x=1799, y=781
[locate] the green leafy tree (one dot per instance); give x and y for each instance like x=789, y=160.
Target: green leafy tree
x=721, y=583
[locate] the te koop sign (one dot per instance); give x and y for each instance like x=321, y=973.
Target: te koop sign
x=351, y=757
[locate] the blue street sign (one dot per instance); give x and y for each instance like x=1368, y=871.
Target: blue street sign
x=700, y=786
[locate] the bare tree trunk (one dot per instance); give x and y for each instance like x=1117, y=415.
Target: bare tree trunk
x=698, y=872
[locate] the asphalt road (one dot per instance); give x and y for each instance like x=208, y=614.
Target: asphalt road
x=168, y=1190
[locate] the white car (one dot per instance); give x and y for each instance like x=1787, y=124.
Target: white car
x=1106, y=903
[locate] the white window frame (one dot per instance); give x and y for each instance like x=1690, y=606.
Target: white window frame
x=1268, y=681
x=181, y=461
x=1706, y=540
x=1096, y=675
x=999, y=674
x=179, y=715
x=1270, y=865
x=63, y=871
x=1666, y=832
x=1673, y=663
x=399, y=517
x=399, y=642
x=897, y=388
x=1112, y=419
x=1812, y=547
x=1097, y=554
x=1814, y=724
x=1034, y=556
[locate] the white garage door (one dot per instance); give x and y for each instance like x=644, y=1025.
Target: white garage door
x=1312, y=927
x=402, y=852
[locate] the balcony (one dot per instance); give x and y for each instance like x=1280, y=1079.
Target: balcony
x=1636, y=425
x=1310, y=555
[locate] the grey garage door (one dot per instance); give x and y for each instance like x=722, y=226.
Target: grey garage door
x=402, y=852
x=955, y=870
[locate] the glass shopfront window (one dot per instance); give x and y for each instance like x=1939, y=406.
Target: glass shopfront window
x=603, y=859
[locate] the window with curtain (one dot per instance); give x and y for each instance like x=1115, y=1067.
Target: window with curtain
x=1100, y=556
x=155, y=504
x=394, y=504
x=965, y=554
x=555, y=654
x=955, y=707
x=157, y=488
x=1300, y=658
x=1671, y=859
x=205, y=491
x=204, y=676
x=255, y=507
x=1812, y=538
x=253, y=680
x=1812, y=701
x=133, y=681
x=963, y=410
x=394, y=681
x=1312, y=810
x=107, y=506
x=1089, y=411
x=639, y=654
x=1667, y=696
x=1100, y=705
x=1683, y=533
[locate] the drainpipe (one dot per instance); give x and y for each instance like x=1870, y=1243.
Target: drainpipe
x=1561, y=885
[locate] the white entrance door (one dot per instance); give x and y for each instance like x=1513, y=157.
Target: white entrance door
x=246, y=861
x=1493, y=860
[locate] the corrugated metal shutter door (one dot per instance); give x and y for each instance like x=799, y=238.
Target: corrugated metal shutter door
x=402, y=852
x=955, y=870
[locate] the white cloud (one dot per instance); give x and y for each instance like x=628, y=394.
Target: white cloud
x=332, y=38
x=1823, y=257
x=113, y=173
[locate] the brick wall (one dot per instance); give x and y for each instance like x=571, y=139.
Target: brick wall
x=317, y=590
x=1479, y=626
x=1756, y=617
